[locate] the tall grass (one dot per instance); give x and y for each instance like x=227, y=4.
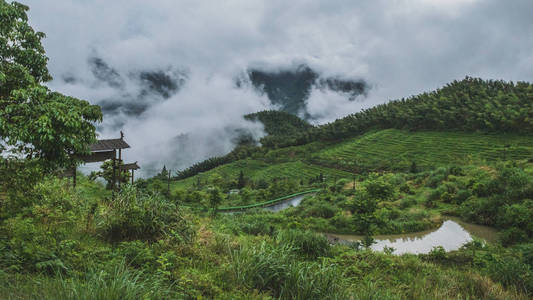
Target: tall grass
x=275, y=269
x=119, y=283
x=307, y=243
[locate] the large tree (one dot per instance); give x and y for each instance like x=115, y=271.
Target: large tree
x=34, y=121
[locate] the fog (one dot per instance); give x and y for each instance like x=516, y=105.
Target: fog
x=166, y=72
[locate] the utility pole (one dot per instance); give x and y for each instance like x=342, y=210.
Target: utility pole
x=114, y=176
x=168, y=183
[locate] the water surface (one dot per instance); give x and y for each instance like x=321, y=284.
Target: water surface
x=451, y=235
x=286, y=203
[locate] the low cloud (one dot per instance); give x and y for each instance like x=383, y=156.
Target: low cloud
x=164, y=71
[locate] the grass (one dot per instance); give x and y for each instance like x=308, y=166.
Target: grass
x=397, y=149
x=389, y=149
x=119, y=283
x=258, y=170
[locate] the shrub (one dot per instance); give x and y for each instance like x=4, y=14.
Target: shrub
x=511, y=271
x=306, y=243
x=512, y=236
x=321, y=210
x=137, y=254
x=518, y=216
x=436, y=177
x=142, y=216
x=479, y=210
x=461, y=196
x=275, y=269
x=437, y=254
x=118, y=283
x=407, y=202
x=405, y=188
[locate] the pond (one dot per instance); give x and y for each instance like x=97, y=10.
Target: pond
x=286, y=203
x=451, y=235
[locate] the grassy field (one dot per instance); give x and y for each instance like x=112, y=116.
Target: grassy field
x=257, y=170
x=389, y=149
x=397, y=149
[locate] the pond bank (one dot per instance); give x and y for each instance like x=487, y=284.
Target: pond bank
x=451, y=235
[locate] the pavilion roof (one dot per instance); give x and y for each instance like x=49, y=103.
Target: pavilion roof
x=108, y=145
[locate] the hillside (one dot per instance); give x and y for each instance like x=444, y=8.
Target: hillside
x=393, y=149
x=279, y=123
x=379, y=150
x=471, y=105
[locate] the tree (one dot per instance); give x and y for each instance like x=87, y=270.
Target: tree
x=241, y=181
x=164, y=173
x=34, y=121
x=106, y=172
x=214, y=198
x=413, y=168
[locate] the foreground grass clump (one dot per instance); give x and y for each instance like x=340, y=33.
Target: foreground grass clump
x=306, y=243
x=141, y=216
x=276, y=270
x=119, y=282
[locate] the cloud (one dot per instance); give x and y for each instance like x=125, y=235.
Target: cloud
x=399, y=48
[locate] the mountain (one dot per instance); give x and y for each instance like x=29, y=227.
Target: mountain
x=290, y=88
x=279, y=123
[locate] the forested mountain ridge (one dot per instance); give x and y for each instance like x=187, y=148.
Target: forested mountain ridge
x=279, y=123
x=472, y=104
x=469, y=105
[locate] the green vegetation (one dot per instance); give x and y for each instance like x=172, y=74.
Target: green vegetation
x=394, y=149
x=279, y=123
x=34, y=121
x=368, y=174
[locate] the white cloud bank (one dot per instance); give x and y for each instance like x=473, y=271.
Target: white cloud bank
x=400, y=47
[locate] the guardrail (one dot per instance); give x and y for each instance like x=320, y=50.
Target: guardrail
x=266, y=203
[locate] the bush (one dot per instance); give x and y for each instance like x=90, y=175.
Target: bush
x=479, y=210
x=512, y=236
x=436, y=177
x=275, y=269
x=118, y=283
x=462, y=196
x=306, y=243
x=142, y=216
x=517, y=216
x=321, y=210
x=407, y=202
x=511, y=271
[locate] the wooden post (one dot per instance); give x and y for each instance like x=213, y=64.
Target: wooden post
x=132, y=174
x=168, y=183
x=114, y=176
x=119, y=164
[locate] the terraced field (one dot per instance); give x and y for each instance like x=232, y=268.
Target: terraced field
x=397, y=149
x=256, y=170
x=389, y=149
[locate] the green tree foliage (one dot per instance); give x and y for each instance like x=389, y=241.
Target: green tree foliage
x=241, y=182
x=106, y=172
x=469, y=105
x=203, y=166
x=34, y=121
x=280, y=125
x=214, y=198
x=164, y=173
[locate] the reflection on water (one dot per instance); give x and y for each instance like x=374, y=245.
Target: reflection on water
x=452, y=234
x=286, y=204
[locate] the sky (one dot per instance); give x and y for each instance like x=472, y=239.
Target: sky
x=398, y=47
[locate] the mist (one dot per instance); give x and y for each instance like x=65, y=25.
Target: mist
x=177, y=76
